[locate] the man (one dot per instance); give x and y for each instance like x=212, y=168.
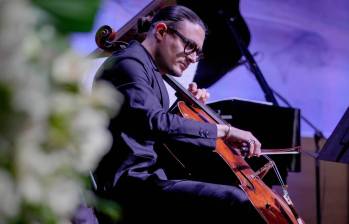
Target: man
x=129, y=173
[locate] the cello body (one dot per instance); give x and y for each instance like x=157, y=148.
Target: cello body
x=272, y=207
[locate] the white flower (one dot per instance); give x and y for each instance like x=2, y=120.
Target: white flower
x=69, y=67
x=88, y=119
x=32, y=160
x=9, y=198
x=104, y=94
x=63, y=195
x=93, y=148
x=94, y=140
x=60, y=132
x=32, y=47
x=65, y=103
x=32, y=96
x=31, y=187
x=15, y=22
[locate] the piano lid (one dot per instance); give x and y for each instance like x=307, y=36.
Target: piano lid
x=221, y=52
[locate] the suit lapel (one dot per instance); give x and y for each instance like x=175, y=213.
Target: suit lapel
x=163, y=91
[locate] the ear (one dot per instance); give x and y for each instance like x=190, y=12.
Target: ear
x=160, y=30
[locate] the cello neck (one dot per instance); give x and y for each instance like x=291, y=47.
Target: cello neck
x=186, y=96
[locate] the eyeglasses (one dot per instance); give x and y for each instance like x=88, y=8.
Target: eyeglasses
x=189, y=45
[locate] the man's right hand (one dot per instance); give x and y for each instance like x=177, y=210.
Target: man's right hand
x=239, y=137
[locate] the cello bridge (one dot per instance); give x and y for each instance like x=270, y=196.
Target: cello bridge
x=263, y=170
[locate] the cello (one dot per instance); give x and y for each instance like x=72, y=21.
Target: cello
x=271, y=207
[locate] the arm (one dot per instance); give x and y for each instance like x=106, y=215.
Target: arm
x=144, y=113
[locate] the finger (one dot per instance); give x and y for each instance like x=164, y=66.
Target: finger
x=198, y=94
x=203, y=93
x=251, y=144
x=258, y=146
x=193, y=87
x=207, y=95
x=255, y=147
x=245, y=149
x=202, y=96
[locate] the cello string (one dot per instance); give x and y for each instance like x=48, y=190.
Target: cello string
x=276, y=171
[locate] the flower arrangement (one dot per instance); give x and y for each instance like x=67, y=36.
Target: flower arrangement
x=52, y=131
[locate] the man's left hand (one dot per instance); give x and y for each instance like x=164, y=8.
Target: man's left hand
x=201, y=94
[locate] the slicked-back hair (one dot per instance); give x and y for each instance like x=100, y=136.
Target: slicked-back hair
x=177, y=13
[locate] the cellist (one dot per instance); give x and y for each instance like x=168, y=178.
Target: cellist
x=129, y=173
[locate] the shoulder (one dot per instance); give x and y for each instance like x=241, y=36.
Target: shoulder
x=127, y=65
x=135, y=51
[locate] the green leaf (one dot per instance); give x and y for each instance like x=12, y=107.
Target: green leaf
x=70, y=15
x=109, y=208
x=58, y=134
x=5, y=105
x=35, y=213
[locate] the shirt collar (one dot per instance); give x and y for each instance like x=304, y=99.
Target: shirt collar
x=154, y=66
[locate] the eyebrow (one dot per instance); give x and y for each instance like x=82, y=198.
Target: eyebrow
x=186, y=39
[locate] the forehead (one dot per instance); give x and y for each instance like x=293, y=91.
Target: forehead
x=192, y=31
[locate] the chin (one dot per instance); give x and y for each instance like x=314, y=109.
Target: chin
x=176, y=72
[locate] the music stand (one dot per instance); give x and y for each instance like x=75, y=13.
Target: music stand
x=336, y=148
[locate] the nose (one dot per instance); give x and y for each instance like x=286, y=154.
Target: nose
x=192, y=57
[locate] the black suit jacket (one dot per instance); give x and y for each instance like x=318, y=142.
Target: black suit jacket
x=143, y=120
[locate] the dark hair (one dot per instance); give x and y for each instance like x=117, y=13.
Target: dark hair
x=176, y=14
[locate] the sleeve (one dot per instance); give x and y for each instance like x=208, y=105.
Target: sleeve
x=145, y=113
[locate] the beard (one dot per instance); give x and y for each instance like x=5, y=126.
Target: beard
x=174, y=73
x=171, y=71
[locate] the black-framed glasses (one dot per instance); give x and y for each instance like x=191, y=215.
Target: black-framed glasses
x=189, y=45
